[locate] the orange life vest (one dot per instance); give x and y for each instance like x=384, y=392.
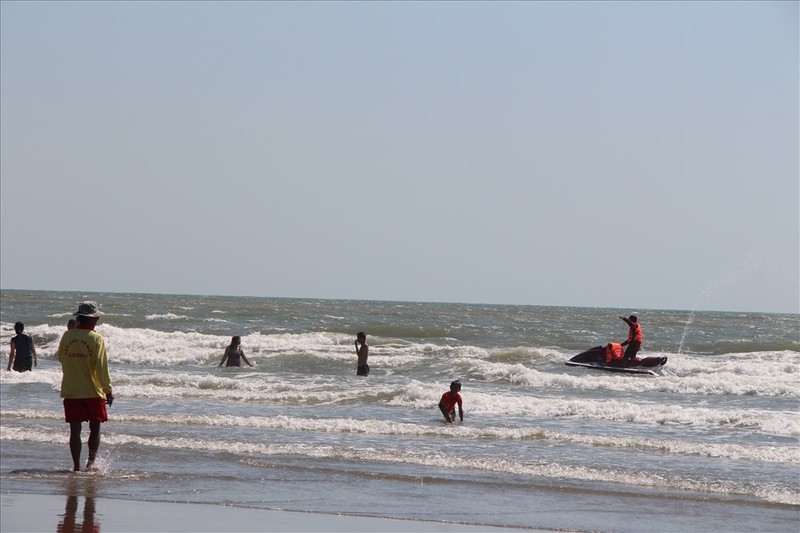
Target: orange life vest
x=635, y=333
x=614, y=351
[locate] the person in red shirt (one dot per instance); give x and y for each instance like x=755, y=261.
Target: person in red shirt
x=634, y=341
x=451, y=398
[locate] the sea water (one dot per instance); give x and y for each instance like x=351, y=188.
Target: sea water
x=713, y=445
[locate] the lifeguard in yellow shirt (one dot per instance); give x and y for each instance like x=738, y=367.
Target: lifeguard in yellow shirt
x=85, y=384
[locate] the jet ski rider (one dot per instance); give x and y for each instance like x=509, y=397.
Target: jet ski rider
x=635, y=337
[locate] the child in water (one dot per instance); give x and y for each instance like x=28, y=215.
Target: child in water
x=447, y=405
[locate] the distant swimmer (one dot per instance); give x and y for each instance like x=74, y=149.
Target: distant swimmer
x=451, y=398
x=234, y=353
x=635, y=337
x=22, y=355
x=85, y=382
x=362, y=352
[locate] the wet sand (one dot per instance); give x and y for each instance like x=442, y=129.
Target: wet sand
x=69, y=513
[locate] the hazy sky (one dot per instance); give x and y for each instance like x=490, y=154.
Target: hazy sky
x=629, y=155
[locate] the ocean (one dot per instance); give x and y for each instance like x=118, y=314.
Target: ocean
x=713, y=445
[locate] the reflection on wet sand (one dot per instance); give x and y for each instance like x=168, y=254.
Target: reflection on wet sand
x=69, y=520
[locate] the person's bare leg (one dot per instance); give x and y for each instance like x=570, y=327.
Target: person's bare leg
x=446, y=414
x=75, y=444
x=94, y=443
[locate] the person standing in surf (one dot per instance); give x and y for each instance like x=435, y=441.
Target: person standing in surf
x=362, y=352
x=635, y=337
x=22, y=355
x=85, y=382
x=451, y=398
x=234, y=353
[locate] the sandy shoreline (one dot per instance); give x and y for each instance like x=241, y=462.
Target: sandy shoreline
x=39, y=512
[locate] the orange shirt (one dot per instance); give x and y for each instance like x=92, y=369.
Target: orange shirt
x=449, y=401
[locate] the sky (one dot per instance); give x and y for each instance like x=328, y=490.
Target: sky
x=631, y=155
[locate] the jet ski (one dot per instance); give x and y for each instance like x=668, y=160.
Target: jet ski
x=609, y=358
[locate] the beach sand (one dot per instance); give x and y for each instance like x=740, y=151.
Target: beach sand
x=68, y=514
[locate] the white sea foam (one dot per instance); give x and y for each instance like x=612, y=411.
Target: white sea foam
x=254, y=386
x=790, y=455
x=166, y=316
x=761, y=374
x=426, y=458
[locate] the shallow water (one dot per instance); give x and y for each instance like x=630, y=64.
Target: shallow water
x=712, y=445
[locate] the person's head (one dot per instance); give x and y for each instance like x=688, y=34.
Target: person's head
x=455, y=386
x=19, y=327
x=86, y=321
x=361, y=336
x=236, y=341
x=88, y=314
x=71, y=323
x=633, y=318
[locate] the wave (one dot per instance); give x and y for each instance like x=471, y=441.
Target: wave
x=316, y=380
x=768, y=454
x=272, y=390
x=748, y=346
x=389, y=455
x=166, y=316
x=761, y=373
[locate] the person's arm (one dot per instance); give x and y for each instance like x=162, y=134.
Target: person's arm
x=630, y=330
x=11, y=354
x=103, y=376
x=460, y=408
x=224, y=356
x=33, y=349
x=245, y=359
x=58, y=351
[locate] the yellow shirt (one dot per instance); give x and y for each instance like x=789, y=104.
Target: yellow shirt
x=84, y=364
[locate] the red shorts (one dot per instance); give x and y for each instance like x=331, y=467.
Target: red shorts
x=85, y=410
